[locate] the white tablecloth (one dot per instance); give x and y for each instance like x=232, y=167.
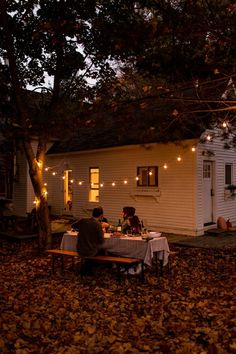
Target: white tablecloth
x=126, y=246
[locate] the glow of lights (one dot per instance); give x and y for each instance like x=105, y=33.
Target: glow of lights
x=113, y=184
x=125, y=181
x=80, y=183
x=39, y=163
x=208, y=137
x=46, y=169
x=150, y=173
x=71, y=181
x=137, y=178
x=193, y=148
x=54, y=173
x=101, y=184
x=63, y=177
x=224, y=124
x=179, y=158
x=45, y=184
x=165, y=166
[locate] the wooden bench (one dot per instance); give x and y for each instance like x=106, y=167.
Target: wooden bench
x=56, y=253
x=119, y=261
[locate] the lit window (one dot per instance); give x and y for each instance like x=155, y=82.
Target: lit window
x=148, y=176
x=94, y=184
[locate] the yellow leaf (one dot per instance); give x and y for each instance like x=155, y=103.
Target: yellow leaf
x=91, y=329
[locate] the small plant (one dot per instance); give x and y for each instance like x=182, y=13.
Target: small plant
x=231, y=187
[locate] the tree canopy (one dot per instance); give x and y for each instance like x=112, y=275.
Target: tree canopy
x=171, y=60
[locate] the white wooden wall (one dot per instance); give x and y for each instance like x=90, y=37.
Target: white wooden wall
x=173, y=207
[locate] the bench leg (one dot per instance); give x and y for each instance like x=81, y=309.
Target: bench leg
x=118, y=272
x=142, y=272
x=53, y=264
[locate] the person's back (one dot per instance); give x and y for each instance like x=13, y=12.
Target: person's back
x=90, y=236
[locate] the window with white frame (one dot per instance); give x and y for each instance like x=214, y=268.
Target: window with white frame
x=147, y=176
x=94, y=184
x=228, y=173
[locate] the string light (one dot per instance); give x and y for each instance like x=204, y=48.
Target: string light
x=45, y=184
x=208, y=137
x=225, y=124
x=126, y=181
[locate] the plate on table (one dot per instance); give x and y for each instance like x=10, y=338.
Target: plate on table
x=154, y=234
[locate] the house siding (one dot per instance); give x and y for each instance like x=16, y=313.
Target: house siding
x=223, y=206
x=171, y=206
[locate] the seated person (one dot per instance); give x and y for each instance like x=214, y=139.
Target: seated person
x=130, y=223
x=127, y=212
x=90, y=237
x=134, y=224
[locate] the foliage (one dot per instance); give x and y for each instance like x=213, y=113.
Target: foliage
x=192, y=311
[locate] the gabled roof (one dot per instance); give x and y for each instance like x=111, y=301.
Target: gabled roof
x=130, y=132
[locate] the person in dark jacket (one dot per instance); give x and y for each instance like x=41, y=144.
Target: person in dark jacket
x=90, y=238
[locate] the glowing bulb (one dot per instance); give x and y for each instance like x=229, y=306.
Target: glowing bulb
x=101, y=184
x=224, y=124
x=137, y=178
x=113, y=184
x=63, y=177
x=39, y=163
x=193, y=148
x=208, y=137
x=150, y=173
x=80, y=183
x=165, y=166
x=125, y=181
x=46, y=169
x=45, y=184
x=179, y=158
x=71, y=181
x=54, y=173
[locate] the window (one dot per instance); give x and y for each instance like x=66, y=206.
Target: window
x=228, y=173
x=68, y=183
x=206, y=170
x=147, y=176
x=94, y=184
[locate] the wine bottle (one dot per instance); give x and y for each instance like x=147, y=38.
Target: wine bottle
x=119, y=226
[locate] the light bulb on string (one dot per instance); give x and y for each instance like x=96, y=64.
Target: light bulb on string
x=165, y=166
x=125, y=181
x=113, y=184
x=193, y=148
x=179, y=158
x=101, y=185
x=137, y=178
x=208, y=137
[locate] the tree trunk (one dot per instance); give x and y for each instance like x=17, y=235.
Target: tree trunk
x=41, y=205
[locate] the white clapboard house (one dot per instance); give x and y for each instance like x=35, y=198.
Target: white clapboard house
x=177, y=187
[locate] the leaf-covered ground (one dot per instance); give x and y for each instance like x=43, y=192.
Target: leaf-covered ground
x=192, y=310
